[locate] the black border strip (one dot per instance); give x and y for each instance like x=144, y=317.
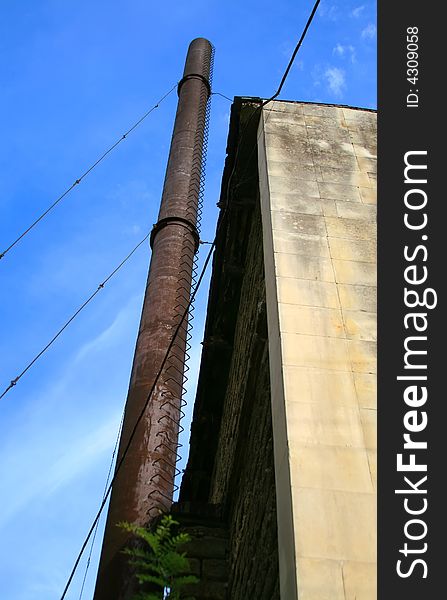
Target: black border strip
x=410, y=123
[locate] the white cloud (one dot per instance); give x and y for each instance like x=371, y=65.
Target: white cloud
x=357, y=11
x=336, y=81
x=339, y=49
x=111, y=336
x=135, y=191
x=328, y=11
x=369, y=33
x=286, y=48
x=70, y=425
x=79, y=456
x=132, y=230
x=344, y=52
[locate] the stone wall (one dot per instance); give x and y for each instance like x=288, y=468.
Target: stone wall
x=283, y=433
x=244, y=477
x=207, y=551
x=231, y=453
x=318, y=192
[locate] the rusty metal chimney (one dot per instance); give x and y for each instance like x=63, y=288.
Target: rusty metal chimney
x=144, y=485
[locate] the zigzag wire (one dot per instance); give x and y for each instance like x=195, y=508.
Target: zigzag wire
x=176, y=367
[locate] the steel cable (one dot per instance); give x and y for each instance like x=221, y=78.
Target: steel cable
x=186, y=311
x=89, y=170
x=73, y=316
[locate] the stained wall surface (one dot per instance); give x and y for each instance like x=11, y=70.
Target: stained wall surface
x=317, y=167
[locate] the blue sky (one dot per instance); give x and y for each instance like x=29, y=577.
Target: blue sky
x=74, y=76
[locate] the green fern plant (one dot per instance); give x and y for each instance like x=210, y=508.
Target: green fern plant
x=160, y=562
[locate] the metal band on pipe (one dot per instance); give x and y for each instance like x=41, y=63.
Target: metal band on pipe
x=162, y=223
x=194, y=76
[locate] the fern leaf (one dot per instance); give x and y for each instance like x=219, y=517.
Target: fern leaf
x=142, y=578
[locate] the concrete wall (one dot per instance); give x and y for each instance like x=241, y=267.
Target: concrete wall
x=317, y=169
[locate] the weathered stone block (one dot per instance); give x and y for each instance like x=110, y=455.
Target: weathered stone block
x=297, y=223
x=354, y=250
x=366, y=388
x=208, y=590
x=368, y=417
x=339, y=535
x=317, y=110
x=307, y=293
x=303, y=266
x=355, y=272
x=292, y=169
x=367, y=164
x=362, y=152
x=336, y=468
x=285, y=185
x=328, y=121
x=351, y=229
x=360, y=325
x=283, y=150
x=311, y=320
x=339, y=191
x=320, y=386
x=358, y=297
x=295, y=243
x=334, y=146
x=372, y=462
x=284, y=130
x=214, y=569
x=360, y=116
x=346, y=162
x=342, y=176
x=296, y=203
x=287, y=107
x=363, y=356
x=351, y=210
x=360, y=580
x=329, y=207
x=195, y=566
x=207, y=547
x=316, y=424
x=320, y=579
x=368, y=195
